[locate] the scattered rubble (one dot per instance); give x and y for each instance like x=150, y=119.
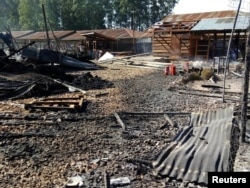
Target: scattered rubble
x=130, y=115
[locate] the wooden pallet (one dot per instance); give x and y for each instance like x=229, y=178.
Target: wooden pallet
x=69, y=103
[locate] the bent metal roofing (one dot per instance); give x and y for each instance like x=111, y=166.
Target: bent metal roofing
x=206, y=145
x=217, y=24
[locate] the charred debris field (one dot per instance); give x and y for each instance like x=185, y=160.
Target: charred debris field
x=92, y=128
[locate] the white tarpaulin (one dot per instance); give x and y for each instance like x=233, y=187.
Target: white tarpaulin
x=106, y=56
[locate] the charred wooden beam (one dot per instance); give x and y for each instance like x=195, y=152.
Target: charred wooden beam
x=16, y=51
x=155, y=113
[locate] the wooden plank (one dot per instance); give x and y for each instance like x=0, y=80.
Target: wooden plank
x=81, y=102
x=169, y=120
x=62, y=98
x=120, y=121
x=57, y=103
x=54, y=102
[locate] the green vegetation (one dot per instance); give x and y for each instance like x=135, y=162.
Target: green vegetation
x=206, y=74
x=83, y=14
x=191, y=77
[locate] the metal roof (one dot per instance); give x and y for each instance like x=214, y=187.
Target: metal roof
x=97, y=35
x=204, y=146
x=111, y=34
x=17, y=34
x=198, y=16
x=192, y=17
x=74, y=37
x=121, y=33
x=222, y=24
x=42, y=35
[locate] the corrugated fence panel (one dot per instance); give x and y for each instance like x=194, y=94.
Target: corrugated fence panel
x=203, y=146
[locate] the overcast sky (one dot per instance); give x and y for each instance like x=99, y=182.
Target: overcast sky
x=192, y=6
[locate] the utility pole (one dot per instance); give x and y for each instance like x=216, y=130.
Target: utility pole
x=245, y=91
x=133, y=29
x=46, y=27
x=228, y=50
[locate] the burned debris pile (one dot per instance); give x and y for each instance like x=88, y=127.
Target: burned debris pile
x=139, y=133
x=30, y=72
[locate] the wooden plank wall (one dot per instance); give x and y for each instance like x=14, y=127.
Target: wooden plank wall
x=172, y=46
x=162, y=45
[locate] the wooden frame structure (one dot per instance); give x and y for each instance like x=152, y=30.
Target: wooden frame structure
x=174, y=37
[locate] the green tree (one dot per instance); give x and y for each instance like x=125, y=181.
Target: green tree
x=30, y=13
x=143, y=12
x=9, y=16
x=95, y=13
x=83, y=14
x=52, y=12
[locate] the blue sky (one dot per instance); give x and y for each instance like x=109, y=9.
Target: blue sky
x=193, y=6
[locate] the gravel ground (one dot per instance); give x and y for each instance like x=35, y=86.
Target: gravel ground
x=93, y=144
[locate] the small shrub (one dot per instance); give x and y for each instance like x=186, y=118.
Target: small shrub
x=206, y=74
x=191, y=77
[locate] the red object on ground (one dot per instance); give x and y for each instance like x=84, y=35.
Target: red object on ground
x=173, y=70
x=166, y=71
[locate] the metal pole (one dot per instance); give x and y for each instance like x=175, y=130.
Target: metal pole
x=133, y=14
x=228, y=49
x=46, y=27
x=245, y=92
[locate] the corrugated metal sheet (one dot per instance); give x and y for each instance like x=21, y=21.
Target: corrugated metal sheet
x=97, y=35
x=74, y=37
x=222, y=24
x=204, y=146
x=77, y=35
x=122, y=33
x=43, y=36
x=198, y=16
x=17, y=34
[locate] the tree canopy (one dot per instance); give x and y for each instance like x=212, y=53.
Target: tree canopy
x=83, y=14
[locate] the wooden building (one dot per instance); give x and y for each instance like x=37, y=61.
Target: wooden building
x=198, y=35
x=117, y=41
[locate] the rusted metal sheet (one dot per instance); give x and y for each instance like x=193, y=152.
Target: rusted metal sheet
x=74, y=37
x=42, y=35
x=18, y=34
x=97, y=35
x=122, y=33
x=206, y=145
x=77, y=35
x=198, y=16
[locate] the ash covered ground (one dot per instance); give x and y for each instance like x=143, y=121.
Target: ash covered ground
x=46, y=148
